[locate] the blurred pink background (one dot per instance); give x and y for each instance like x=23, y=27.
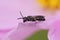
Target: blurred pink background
x=9, y=12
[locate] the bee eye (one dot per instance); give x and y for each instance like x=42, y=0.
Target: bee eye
x=24, y=19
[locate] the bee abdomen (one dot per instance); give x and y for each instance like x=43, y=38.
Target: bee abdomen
x=40, y=18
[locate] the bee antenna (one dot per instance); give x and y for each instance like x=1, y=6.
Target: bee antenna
x=21, y=14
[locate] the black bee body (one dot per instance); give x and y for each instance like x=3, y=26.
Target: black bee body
x=33, y=18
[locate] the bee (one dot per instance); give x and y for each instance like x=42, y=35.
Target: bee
x=32, y=18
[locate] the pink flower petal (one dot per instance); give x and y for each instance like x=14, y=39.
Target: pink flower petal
x=23, y=31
